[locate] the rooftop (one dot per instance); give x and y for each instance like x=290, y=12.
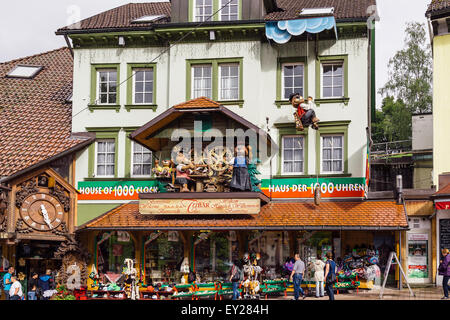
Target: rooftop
x=35, y=119
x=124, y=17
x=368, y=215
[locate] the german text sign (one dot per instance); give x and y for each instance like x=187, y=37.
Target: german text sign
x=199, y=206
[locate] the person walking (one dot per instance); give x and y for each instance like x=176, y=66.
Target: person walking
x=45, y=284
x=319, y=266
x=7, y=281
x=330, y=275
x=235, y=278
x=33, y=286
x=298, y=272
x=15, y=292
x=444, y=270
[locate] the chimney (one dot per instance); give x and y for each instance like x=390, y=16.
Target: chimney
x=399, y=189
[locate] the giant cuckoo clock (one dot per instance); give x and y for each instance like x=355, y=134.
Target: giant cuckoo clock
x=44, y=206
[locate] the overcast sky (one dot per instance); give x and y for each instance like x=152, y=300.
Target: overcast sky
x=28, y=26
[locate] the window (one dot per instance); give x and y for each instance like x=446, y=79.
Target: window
x=216, y=79
x=203, y=10
x=107, y=86
x=229, y=12
x=105, y=156
x=23, y=71
x=293, y=154
x=332, y=153
x=143, y=86
x=293, y=76
x=229, y=81
x=141, y=160
x=202, y=80
x=333, y=80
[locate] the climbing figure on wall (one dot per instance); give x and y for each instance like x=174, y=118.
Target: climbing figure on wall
x=305, y=115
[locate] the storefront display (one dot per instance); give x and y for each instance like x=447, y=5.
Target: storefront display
x=214, y=253
x=418, y=256
x=163, y=255
x=113, y=248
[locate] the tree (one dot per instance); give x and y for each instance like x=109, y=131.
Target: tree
x=392, y=122
x=410, y=71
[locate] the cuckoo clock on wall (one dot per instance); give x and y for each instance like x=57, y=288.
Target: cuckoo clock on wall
x=42, y=212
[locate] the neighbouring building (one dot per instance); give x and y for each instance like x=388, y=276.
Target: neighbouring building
x=37, y=157
x=143, y=71
x=438, y=15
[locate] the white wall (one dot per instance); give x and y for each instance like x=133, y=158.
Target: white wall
x=259, y=83
x=422, y=132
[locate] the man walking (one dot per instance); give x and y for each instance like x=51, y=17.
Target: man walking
x=297, y=275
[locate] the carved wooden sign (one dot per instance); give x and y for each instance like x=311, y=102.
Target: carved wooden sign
x=200, y=206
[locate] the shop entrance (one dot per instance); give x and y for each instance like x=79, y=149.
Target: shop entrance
x=36, y=256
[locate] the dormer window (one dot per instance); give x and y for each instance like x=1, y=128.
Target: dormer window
x=24, y=71
x=203, y=10
x=231, y=10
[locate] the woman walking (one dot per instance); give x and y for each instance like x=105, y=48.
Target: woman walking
x=444, y=270
x=319, y=266
x=235, y=279
x=330, y=275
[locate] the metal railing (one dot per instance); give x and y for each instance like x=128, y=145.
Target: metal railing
x=394, y=147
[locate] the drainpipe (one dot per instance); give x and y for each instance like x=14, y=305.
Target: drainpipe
x=168, y=77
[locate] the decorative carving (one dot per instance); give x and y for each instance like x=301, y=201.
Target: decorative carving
x=60, y=193
x=3, y=209
x=27, y=188
x=72, y=253
x=62, y=230
x=22, y=227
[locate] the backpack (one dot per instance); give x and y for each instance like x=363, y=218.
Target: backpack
x=237, y=275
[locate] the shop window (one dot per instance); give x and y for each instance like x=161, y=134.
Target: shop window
x=214, y=253
x=230, y=10
x=112, y=250
x=164, y=253
x=273, y=248
x=202, y=80
x=141, y=161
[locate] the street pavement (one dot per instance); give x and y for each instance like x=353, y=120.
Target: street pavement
x=424, y=293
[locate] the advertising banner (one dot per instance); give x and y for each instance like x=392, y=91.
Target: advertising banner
x=418, y=256
x=115, y=190
x=291, y=188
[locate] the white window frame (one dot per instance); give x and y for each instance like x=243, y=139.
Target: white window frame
x=236, y=64
x=108, y=93
x=193, y=96
x=221, y=4
x=134, y=86
x=203, y=17
x=343, y=153
x=328, y=63
x=96, y=158
x=282, y=154
x=282, y=78
x=132, y=163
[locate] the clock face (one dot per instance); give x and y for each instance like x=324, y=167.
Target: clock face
x=42, y=212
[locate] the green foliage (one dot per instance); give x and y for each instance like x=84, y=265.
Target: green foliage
x=393, y=122
x=410, y=71
x=63, y=294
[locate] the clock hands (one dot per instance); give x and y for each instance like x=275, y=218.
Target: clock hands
x=45, y=215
